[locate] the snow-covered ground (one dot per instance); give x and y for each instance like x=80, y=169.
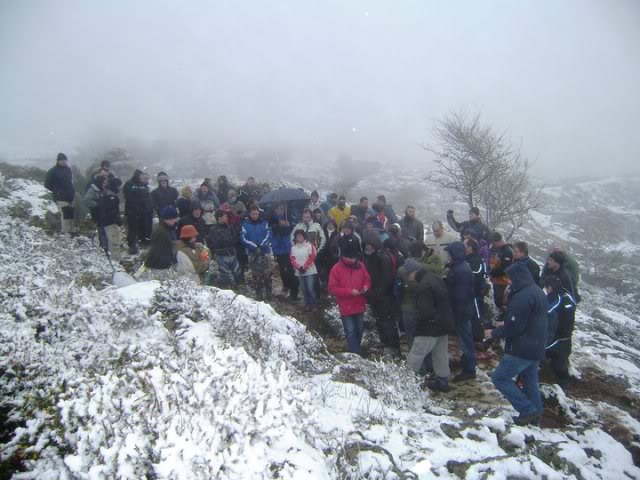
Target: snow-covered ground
x=175, y=381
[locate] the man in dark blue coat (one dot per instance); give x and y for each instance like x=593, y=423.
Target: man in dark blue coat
x=138, y=210
x=525, y=334
x=59, y=181
x=460, y=289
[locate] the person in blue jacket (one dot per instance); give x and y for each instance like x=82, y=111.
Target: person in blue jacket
x=281, y=228
x=525, y=334
x=256, y=238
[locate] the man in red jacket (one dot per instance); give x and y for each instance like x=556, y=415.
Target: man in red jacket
x=349, y=282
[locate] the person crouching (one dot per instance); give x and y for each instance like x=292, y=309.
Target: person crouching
x=192, y=256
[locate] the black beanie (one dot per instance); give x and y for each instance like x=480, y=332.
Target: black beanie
x=61, y=156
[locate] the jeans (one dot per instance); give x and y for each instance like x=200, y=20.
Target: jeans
x=353, y=329
x=409, y=318
x=228, y=269
x=463, y=331
x=528, y=400
x=438, y=347
x=308, y=287
x=109, y=237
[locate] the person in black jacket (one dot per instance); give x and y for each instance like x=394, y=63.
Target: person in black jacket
x=162, y=252
x=460, y=288
x=434, y=322
x=164, y=195
x=500, y=257
x=104, y=207
x=59, y=181
x=222, y=240
x=479, y=229
x=195, y=219
x=563, y=309
x=138, y=210
x=556, y=265
x=525, y=334
x=114, y=182
x=479, y=271
x=521, y=254
x=380, y=296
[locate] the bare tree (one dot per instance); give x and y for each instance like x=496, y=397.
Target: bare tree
x=508, y=196
x=467, y=153
x=484, y=167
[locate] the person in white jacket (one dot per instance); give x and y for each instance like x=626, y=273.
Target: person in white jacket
x=313, y=231
x=303, y=256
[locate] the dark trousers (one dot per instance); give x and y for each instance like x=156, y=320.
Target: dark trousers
x=498, y=295
x=287, y=275
x=386, y=321
x=559, y=354
x=477, y=326
x=139, y=227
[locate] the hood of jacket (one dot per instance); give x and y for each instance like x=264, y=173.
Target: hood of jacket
x=519, y=275
x=456, y=252
x=136, y=176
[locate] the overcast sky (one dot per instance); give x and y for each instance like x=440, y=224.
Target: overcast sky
x=363, y=77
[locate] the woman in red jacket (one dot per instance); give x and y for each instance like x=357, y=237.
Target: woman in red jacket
x=349, y=282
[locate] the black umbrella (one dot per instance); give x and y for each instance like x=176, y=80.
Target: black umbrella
x=283, y=195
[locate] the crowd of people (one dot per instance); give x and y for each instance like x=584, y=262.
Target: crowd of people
x=365, y=256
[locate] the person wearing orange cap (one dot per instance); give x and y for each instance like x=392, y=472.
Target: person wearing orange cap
x=192, y=256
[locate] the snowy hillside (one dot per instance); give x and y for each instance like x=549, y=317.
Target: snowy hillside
x=180, y=381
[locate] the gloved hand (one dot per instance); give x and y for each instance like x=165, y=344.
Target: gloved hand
x=301, y=270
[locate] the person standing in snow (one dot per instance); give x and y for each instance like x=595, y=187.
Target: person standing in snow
x=480, y=230
x=570, y=265
x=104, y=207
x=438, y=240
x=329, y=255
x=525, y=334
x=380, y=296
x=387, y=209
x=192, y=256
x=281, y=245
x=521, y=254
x=313, y=231
x=138, y=210
x=349, y=283
x=341, y=212
x=405, y=290
x=314, y=204
x=59, y=181
x=332, y=201
x=222, y=241
x=184, y=202
x=162, y=251
x=256, y=237
x=460, y=288
x=412, y=229
x=302, y=257
x=209, y=202
x=249, y=192
x=479, y=271
x=114, y=183
x=434, y=322
x=235, y=203
x=164, y=195
x=360, y=210
x=222, y=189
x=561, y=313
x=194, y=218
x=501, y=257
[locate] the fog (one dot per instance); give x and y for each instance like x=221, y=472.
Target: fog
x=359, y=78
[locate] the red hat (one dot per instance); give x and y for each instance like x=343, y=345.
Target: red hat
x=188, y=231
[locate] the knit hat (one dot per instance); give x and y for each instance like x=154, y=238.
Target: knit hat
x=475, y=211
x=195, y=204
x=411, y=266
x=188, y=231
x=61, y=156
x=169, y=212
x=163, y=177
x=348, y=248
x=206, y=184
x=221, y=212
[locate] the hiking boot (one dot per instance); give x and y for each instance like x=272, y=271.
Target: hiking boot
x=528, y=419
x=133, y=250
x=463, y=377
x=439, y=385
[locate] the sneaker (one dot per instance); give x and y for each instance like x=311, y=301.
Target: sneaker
x=463, y=377
x=528, y=419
